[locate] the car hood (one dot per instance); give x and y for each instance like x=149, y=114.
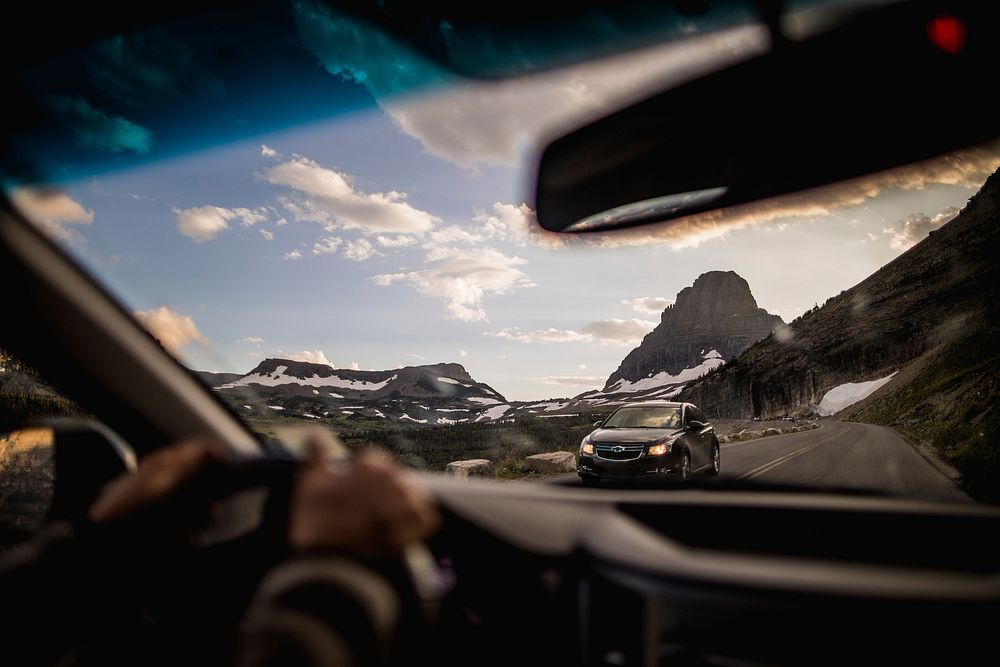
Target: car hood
x=633, y=434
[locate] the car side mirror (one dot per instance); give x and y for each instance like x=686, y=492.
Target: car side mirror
x=597, y=424
x=88, y=455
x=53, y=471
x=696, y=425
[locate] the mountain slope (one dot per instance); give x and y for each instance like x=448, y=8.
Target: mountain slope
x=718, y=312
x=930, y=316
x=431, y=394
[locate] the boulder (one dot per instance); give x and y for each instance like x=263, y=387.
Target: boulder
x=772, y=431
x=470, y=468
x=551, y=462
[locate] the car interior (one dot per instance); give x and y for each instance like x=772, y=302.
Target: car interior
x=714, y=571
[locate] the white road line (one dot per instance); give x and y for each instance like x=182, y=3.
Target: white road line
x=771, y=465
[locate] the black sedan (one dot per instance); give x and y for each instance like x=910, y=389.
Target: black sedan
x=656, y=439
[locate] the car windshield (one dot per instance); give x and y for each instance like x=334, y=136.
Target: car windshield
x=334, y=230
x=645, y=417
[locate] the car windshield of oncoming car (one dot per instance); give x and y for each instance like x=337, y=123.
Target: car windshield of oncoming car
x=324, y=250
x=648, y=417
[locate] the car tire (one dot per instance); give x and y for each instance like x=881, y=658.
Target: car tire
x=716, y=461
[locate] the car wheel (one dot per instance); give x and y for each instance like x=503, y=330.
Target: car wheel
x=686, y=467
x=716, y=462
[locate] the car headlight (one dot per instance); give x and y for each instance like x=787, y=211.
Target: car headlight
x=659, y=450
x=587, y=447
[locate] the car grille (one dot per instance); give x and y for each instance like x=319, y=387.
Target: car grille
x=606, y=450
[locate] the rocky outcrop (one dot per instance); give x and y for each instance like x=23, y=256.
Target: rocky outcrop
x=718, y=312
x=470, y=468
x=551, y=462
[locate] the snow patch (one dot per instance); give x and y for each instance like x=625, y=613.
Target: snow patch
x=275, y=407
x=484, y=401
x=495, y=412
x=306, y=414
x=452, y=410
x=279, y=378
x=449, y=422
x=847, y=394
x=409, y=418
x=335, y=395
x=248, y=407
x=551, y=416
x=548, y=407
x=711, y=360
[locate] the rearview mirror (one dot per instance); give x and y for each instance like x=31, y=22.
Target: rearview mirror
x=806, y=114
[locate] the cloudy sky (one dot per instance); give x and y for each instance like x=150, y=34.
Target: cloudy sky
x=401, y=233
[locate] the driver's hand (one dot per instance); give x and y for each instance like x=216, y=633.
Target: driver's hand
x=366, y=508
x=159, y=476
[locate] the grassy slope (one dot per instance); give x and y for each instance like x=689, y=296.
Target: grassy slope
x=950, y=404
x=433, y=447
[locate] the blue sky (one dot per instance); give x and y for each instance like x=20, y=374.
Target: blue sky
x=399, y=234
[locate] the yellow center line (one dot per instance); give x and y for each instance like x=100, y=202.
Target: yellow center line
x=770, y=465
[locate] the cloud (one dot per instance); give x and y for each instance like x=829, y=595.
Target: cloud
x=648, y=304
x=967, y=169
x=582, y=367
x=250, y=217
x=518, y=224
x=280, y=222
x=454, y=234
x=915, y=228
x=311, y=356
x=293, y=255
x=360, y=250
x=171, y=328
x=605, y=332
x=203, y=223
x=463, y=353
x=354, y=366
x=53, y=210
x=399, y=241
x=253, y=340
x=97, y=130
x=327, y=246
x=144, y=68
x=463, y=278
x=500, y=121
x=267, y=235
x=417, y=356
x=328, y=197
x=267, y=151
x=619, y=331
x=574, y=380
x=550, y=335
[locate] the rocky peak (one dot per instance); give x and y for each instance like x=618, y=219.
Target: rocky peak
x=713, y=295
x=717, y=312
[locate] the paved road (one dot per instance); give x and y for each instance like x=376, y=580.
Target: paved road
x=839, y=454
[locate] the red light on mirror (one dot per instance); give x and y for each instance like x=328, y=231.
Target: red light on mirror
x=947, y=33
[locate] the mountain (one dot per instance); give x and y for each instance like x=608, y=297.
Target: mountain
x=916, y=345
x=718, y=312
x=215, y=379
x=431, y=394
x=714, y=319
